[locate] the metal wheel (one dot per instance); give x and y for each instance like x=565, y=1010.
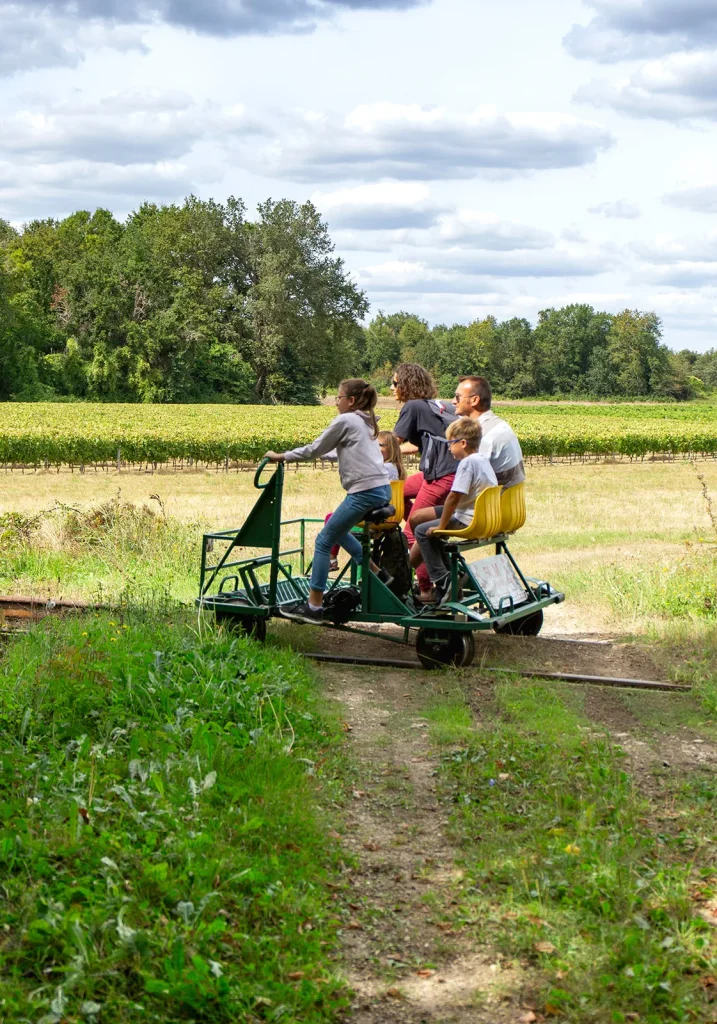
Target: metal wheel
x=438, y=648
x=530, y=625
x=252, y=625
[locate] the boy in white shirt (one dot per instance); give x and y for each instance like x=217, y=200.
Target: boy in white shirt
x=473, y=475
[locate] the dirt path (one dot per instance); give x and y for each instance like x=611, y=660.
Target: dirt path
x=402, y=958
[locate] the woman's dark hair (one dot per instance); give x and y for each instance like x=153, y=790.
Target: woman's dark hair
x=366, y=397
x=413, y=381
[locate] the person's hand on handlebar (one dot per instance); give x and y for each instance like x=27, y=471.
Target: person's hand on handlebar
x=274, y=456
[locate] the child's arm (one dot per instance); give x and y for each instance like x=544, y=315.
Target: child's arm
x=448, y=509
x=324, y=444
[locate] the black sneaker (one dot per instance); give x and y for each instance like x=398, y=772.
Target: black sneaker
x=385, y=577
x=304, y=613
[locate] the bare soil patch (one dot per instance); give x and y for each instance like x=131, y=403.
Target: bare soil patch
x=403, y=960
x=674, y=746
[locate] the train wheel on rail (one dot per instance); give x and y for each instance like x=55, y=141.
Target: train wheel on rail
x=439, y=648
x=529, y=625
x=252, y=625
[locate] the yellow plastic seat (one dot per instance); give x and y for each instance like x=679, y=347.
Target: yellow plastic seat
x=486, y=518
x=398, y=503
x=512, y=509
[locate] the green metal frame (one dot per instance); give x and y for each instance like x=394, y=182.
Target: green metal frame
x=254, y=599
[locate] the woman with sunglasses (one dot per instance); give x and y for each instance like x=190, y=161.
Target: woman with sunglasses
x=353, y=434
x=421, y=427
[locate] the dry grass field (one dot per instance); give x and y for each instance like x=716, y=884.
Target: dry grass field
x=602, y=532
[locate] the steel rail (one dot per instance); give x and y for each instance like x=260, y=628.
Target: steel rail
x=28, y=609
x=566, y=677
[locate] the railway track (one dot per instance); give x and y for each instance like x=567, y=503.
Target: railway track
x=18, y=614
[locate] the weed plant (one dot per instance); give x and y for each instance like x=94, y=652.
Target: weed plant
x=162, y=855
x=109, y=551
x=568, y=867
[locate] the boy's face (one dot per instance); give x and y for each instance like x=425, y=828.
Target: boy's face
x=460, y=449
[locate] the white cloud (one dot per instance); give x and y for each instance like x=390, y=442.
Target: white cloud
x=685, y=275
x=668, y=249
x=386, y=206
x=394, y=276
x=408, y=141
x=121, y=129
x=457, y=229
x=60, y=33
x=221, y=17
x=681, y=87
x=626, y=29
x=560, y=261
x=32, y=39
x=698, y=198
x=621, y=209
x=473, y=230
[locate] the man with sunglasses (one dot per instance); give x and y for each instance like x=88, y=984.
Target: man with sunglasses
x=499, y=443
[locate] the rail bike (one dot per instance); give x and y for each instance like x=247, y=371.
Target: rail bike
x=488, y=591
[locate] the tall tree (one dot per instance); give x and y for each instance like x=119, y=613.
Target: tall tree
x=302, y=307
x=566, y=339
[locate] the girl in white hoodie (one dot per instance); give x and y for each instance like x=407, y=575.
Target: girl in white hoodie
x=353, y=433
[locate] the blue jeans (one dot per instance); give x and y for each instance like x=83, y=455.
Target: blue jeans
x=337, y=531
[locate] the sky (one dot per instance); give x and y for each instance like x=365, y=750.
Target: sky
x=471, y=157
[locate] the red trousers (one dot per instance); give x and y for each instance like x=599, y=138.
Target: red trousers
x=418, y=494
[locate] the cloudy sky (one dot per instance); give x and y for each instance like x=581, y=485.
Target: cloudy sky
x=470, y=156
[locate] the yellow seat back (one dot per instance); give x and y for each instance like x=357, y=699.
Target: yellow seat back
x=512, y=509
x=397, y=500
x=398, y=503
x=486, y=518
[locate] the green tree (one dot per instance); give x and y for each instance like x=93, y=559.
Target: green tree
x=565, y=341
x=516, y=370
x=640, y=362
x=302, y=308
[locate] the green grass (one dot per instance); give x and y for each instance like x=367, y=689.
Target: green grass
x=163, y=852
x=112, y=551
x=449, y=720
x=570, y=868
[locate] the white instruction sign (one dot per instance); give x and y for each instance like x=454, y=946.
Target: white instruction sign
x=498, y=580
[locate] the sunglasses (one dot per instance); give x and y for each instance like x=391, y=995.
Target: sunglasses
x=394, y=383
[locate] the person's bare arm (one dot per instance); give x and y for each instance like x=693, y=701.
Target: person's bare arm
x=448, y=509
x=406, y=447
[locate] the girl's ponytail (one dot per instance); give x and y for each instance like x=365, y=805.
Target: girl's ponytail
x=366, y=397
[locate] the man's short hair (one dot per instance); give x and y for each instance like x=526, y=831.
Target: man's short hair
x=465, y=429
x=481, y=388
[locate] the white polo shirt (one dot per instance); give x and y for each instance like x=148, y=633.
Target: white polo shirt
x=502, y=448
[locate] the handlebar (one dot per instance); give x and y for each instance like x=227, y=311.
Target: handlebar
x=259, y=470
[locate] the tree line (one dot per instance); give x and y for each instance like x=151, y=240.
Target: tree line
x=198, y=303
x=575, y=351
